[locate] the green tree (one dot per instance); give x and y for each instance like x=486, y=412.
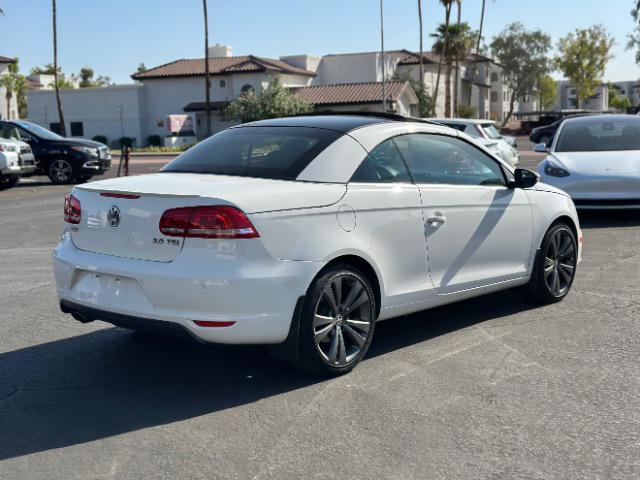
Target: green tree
x=617, y=101
x=546, y=87
x=583, y=57
x=425, y=101
x=453, y=42
x=47, y=69
x=141, y=68
x=524, y=57
x=634, y=38
x=272, y=102
x=13, y=83
x=86, y=79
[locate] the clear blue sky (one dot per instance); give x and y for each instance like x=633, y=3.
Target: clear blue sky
x=114, y=36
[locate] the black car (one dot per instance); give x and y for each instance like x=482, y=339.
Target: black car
x=63, y=160
x=546, y=133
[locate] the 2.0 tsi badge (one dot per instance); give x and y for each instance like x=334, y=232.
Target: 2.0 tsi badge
x=113, y=216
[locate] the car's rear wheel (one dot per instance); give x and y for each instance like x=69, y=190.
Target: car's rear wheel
x=555, y=267
x=61, y=171
x=337, y=322
x=8, y=181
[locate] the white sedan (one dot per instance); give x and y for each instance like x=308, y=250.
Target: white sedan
x=303, y=232
x=596, y=160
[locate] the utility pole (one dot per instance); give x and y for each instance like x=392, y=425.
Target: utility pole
x=384, y=67
x=207, y=108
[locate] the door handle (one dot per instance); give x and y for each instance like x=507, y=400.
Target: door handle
x=437, y=218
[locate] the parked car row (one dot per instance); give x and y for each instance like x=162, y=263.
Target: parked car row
x=485, y=133
x=39, y=151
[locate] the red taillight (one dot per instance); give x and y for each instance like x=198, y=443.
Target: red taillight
x=72, y=209
x=218, y=221
x=119, y=195
x=213, y=323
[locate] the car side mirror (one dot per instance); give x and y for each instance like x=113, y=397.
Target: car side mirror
x=524, y=178
x=541, y=148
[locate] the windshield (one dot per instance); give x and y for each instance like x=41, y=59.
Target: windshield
x=38, y=131
x=266, y=152
x=491, y=131
x=600, y=135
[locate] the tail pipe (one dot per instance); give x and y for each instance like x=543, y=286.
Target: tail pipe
x=75, y=314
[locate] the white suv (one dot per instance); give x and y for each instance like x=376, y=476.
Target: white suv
x=16, y=158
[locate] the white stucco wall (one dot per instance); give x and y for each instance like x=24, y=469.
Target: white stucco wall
x=111, y=111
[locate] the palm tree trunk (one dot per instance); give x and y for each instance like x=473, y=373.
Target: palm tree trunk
x=475, y=61
x=447, y=96
x=207, y=108
x=457, y=78
x=447, y=107
x=435, y=93
x=421, y=52
x=63, y=128
x=8, y=98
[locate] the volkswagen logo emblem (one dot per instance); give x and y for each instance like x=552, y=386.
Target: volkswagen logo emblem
x=113, y=216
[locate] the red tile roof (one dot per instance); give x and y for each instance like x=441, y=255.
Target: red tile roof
x=7, y=59
x=220, y=66
x=346, y=93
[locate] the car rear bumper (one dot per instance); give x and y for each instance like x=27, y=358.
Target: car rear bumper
x=258, y=298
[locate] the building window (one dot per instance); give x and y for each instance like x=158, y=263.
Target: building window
x=494, y=96
x=77, y=129
x=494, y=76
x=247, y=88
x=55, y=127
x=223, y=83
x=504, y=96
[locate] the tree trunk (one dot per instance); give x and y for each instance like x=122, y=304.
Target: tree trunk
x=512, y=106
x=421, y=51
x=447, y=92
x=447, y=22
x=207, y=107
x=442, y=56
x=8, y=98
x=457, y=77
x=475, y=61
x=63, y=128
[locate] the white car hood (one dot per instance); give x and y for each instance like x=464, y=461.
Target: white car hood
x=252, y=195
x=599, y=163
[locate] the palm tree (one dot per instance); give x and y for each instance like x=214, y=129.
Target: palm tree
x=63, y=128
x=452, y=44
x=447, y=16
x=207, y=108
x=457, y=78
x=421, y=54
x=475, y=61
x=10, y=84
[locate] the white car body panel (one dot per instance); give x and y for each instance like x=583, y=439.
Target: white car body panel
x=487, y=243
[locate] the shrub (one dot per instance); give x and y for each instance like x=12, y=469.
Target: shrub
x=126, y=142
x=101, y=139
x=154, y=141
x=466, y=111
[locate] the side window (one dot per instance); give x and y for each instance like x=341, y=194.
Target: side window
x=448, y=160
x=383, y=165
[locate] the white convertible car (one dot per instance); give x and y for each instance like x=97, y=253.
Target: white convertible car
x=596, y=160
x=302, y=232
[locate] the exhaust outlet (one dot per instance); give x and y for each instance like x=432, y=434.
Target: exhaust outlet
x=81, y=318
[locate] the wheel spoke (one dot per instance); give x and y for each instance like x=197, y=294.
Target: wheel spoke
x=355, y=336
x=323, y=332
x=566, y=276
x=362, y=298
x=565, y=247
x=342, y=350
x=331, y=298
x=359, y=325
x=555, y=282
x=337, y=289
x=333, y=348
x=355, y=289
x=322, y=320
x=548, y=266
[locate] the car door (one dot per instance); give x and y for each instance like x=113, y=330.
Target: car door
x=390, y=224
x=478, y=230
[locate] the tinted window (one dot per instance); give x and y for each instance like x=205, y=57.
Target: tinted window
x=600, y=135
x=266, y=152
x=383, y=165
x=443, y=159
x=77, y=129
x=457, y=126
x=38, y=131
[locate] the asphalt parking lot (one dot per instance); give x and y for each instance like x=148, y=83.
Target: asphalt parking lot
x=489, y=388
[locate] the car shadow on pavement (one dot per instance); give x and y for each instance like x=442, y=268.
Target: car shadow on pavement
x=112, y=381
x=609, y=218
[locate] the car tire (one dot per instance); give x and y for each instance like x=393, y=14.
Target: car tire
x=555, y=266
x=61, y=171
x=84, y=179
x=8, y=181
x=337, y=321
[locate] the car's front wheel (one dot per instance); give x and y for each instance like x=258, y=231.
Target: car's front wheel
x=8, y=181
x=555, y=266
x=61, y=171
x=337, y=322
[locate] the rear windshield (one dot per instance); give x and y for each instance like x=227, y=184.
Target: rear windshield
x=265, y=152
x=600, y=135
